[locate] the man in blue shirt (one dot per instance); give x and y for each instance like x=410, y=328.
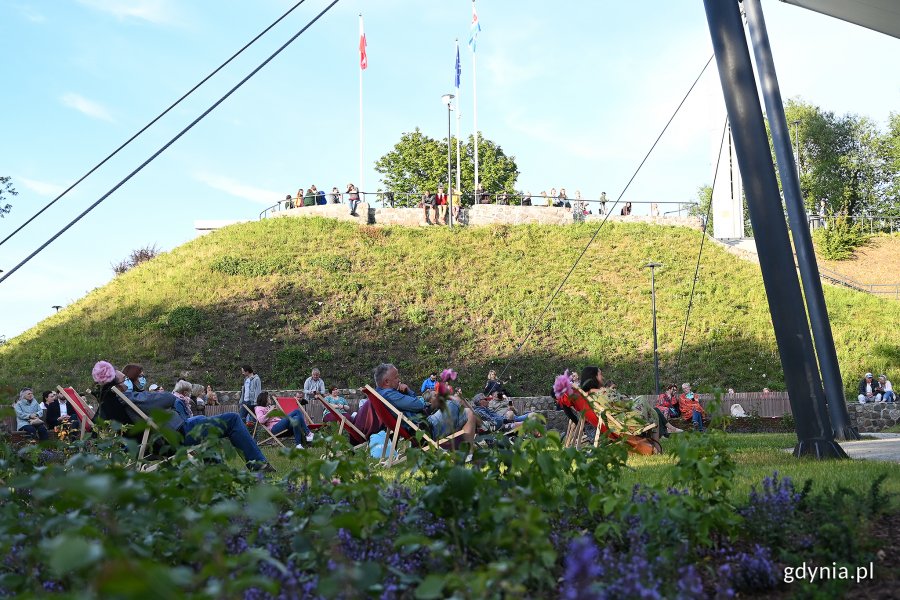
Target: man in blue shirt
x=429, y=382
x=388, y=384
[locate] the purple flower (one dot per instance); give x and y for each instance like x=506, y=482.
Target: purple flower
x=562, y=385
x=448, y=375
x=583, y=568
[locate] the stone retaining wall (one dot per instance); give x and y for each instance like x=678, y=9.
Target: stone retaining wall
x=481, y=214
x=874, y=416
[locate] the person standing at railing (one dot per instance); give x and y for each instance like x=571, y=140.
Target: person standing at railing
x=310, y=198
x=526, y=200
x=440, y=206
x=353, y=197
x=335, y=196
x=321, y=199
x=603, y=203
x=626, y=210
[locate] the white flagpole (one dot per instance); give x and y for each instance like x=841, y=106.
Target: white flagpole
x=458, y=163
x=362, y=185
x=475, y=122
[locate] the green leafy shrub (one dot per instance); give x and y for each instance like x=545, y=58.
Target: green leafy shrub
x=182, y=321
x=248, y=267
x=839, y=240
x=525, y=519
x=332, y=263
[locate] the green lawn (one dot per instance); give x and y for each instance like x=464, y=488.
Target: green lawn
x=285, y=295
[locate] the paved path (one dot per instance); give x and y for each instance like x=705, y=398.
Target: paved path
x=885, y=446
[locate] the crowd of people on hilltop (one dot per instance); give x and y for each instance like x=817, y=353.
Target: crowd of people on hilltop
x=436, y=205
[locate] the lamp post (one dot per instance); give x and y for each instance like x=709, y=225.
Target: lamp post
x=448, y=100
x=57, y=307
x=652, y=266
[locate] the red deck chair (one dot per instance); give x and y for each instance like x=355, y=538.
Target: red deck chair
x=85, y=415
x=394, y=421
x=357, y=437
x=289, y=404
x=579, y=402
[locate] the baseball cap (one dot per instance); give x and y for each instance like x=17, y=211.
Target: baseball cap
x=868, y=375
x=154, y=387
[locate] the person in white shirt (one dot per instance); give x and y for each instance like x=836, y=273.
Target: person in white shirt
x=313, y=385
x=887, y=390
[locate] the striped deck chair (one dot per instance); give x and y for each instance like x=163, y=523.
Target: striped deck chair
x=401, y=426
x=579, y=402
x=85, y=415
x=357, y=438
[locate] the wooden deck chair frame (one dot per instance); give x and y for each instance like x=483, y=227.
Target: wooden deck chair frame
x=272, y=439
x=346, y=424
x=151, y=424
x=575, y=432
x=75, y=400
x=399, y=420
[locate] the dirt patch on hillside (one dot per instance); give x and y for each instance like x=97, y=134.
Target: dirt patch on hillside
x=876, y=262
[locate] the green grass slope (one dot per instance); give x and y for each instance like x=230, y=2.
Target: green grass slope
x=285, y=295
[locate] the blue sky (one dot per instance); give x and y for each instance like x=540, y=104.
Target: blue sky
x=576, y=91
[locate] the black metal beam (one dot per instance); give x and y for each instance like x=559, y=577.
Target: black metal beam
x=776, y=261
x=793, y=200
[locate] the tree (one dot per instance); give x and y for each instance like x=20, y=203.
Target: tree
x=701, y=208
x=418, y=164
x=6, y=187
x=890, y=152
x=841, y=160
x=136, y=257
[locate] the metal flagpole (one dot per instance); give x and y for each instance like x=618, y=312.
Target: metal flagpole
x=458, y=163
x=476, y=27
x=362, y=66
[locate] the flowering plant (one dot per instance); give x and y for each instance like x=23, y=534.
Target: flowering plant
x=563, y=385
x=442, y=388
x=103, y=372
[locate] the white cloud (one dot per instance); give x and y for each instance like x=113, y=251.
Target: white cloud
x=41, y=188
x=86, y=107
x=237, y=189
x=153, y=11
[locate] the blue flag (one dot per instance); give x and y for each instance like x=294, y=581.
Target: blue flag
x=458, y=68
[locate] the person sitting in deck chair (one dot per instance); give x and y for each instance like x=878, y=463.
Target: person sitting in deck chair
x=295, y=420
x=229, y=425
x=112, y=408
x=448, y=416
x=389, y=386
x=338, y=402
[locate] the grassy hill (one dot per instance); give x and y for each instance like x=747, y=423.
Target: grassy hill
x=285, y=295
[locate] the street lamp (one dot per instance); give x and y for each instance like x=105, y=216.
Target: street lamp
x=448, y=100
x=57, y=307
x=652, y=266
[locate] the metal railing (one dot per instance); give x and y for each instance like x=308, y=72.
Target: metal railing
x=870, y=223
x=597, y=206
x=886, y=289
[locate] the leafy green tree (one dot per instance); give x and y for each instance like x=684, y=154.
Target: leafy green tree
x=418, y=164
x=841, y=160
x=6, y=187
x=701, y=208
x=890, y=152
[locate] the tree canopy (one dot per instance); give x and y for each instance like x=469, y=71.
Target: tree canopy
x=6, y=189
x=418, y=164
x=846, y=161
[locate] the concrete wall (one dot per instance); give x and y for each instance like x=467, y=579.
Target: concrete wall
x=482, y=214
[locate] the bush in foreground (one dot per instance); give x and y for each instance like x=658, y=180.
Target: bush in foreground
x=526, y=520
